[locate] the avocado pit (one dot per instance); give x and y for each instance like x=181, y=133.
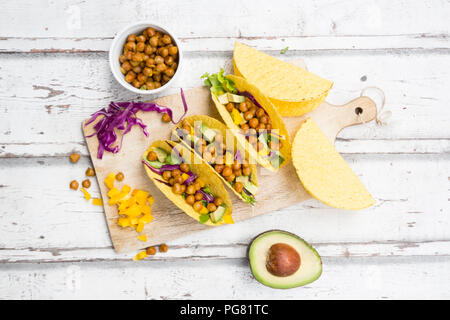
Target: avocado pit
x=282, y=260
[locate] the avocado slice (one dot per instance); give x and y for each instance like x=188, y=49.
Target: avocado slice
x=161, y=154
x=223, y=99
x=208, y=133
x=242, y=179
x=155, y=164
x=235, y=98
x=218, y=214
x=282, y=260
x=173, y=159
x=276, y=159
x=250, y=187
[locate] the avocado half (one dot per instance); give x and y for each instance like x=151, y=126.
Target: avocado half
x=282, y=260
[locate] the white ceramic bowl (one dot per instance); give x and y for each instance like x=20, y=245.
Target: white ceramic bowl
x=116, y=50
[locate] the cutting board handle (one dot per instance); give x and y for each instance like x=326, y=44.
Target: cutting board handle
x=359, y=110
x=335, y=118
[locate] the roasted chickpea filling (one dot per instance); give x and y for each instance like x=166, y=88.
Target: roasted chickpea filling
x=182, y=181
x=149, y=59
x=209, y=143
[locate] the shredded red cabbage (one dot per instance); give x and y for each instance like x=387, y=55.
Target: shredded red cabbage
x=206, y=196
x=165, y=182
x=166, y=167
x=192, y=177
x=122, y=116
x=238, y=157
x=250, y=97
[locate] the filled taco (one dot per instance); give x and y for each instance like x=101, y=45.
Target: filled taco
x=209, y=139
x=253, y=119
x=191, y=185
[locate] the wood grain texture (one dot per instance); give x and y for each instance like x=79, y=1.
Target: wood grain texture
x=51, y=91
x=255, y=18
x=54, y=73
x=342, y=278
x=404, y=212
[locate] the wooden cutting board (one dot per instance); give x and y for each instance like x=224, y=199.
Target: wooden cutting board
x=276, y=191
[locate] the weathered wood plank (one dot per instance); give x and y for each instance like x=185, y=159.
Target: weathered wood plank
x=402, y=43
x=343, y=278
x=40, y=211
x=344, y=146
x=254, y=18
x=223, y=251
x=60, y=91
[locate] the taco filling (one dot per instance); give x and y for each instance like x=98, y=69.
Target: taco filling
x=249, y=115
x=177, y=174
x=209, y=144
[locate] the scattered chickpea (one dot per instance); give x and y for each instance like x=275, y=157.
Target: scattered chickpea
x=120, y=176
x=165, y=117
x=74, y=157
x=86, y=183
x=90, y=172
x=74, y=185
x=163, y=248
x=151, y=251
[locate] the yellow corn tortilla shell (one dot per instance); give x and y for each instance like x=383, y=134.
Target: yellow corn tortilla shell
x=200, y=169
x=324, y=173
x=218, y=126
x=293, y=90
x=277, y=123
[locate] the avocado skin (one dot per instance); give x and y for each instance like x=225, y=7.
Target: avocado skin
x=292, y=235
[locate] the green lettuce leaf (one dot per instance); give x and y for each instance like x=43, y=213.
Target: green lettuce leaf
x=218, y=83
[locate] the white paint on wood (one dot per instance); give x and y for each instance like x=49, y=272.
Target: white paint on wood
x=401, y=47
x=51, y=91
x=201, y=18
x=411, y=193
x=342, y=278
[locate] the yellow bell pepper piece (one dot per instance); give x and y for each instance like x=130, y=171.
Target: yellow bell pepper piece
x=146, y=218
x=109, y=180
x=184, y=176
x=133, y=211
x=141, y=197
x=121, y=196
x=126, y=189
x=237, y=117
x=97, y=202
x=125, y=204
x=146, y=209
x=87, y=195
x=204, y=210
x=227, y=218
x=140, y=227
x=123, y=222
x=113, y=192
x=141, y=255
x=134, y=221
x=142, y=237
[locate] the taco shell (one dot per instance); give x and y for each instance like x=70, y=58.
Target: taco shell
x=277, y=123
x=217, y=125
x=200, y=169
x=324, y=173
x=293, y=90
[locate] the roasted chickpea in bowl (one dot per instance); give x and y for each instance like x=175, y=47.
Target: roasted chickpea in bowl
x=145, y=58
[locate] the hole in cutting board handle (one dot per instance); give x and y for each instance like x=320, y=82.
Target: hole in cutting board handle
x=358, y=110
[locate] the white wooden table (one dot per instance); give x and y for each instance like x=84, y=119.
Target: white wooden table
x=54, y=73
